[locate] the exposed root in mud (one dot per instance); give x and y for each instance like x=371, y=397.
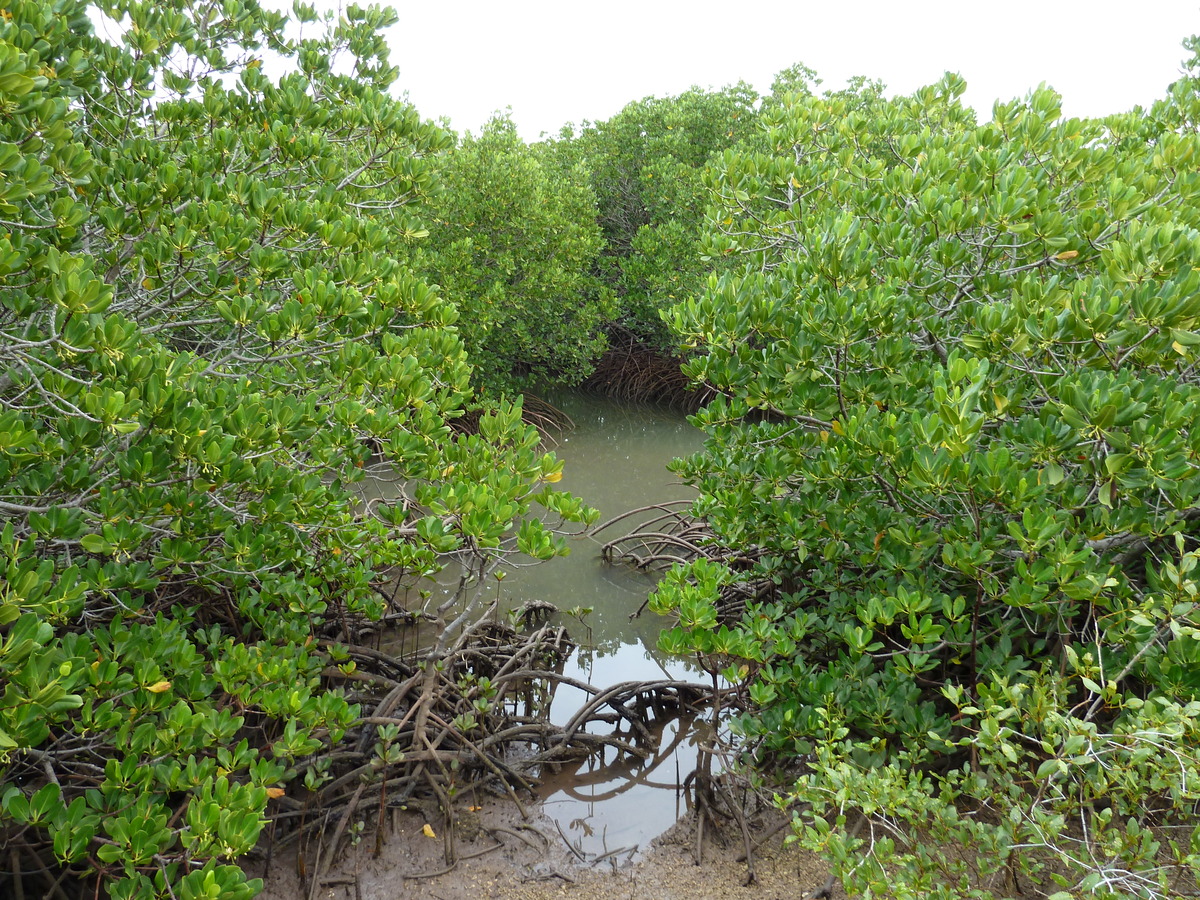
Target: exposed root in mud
x=469, y=719
x=464, y=726
x=446, y=727
x=536, y=862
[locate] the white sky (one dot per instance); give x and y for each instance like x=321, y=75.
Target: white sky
x=556, y=61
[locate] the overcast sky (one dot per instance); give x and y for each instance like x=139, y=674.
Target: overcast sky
x=556, y=61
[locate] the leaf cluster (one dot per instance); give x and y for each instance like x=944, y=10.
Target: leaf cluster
x=514, y=242
x=646, y=167
x=957, y=433
x=209, y=334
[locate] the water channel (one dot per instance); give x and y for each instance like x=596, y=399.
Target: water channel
x=615, y=459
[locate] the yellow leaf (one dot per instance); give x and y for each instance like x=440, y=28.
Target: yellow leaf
x=1067, y=254
x=159, y=686
x=254, y=64
x=275, y=792
x=824, y=436
x=147, y=283
x=837, y=427
x=427, y=830
x=553, y=477
x=1178, y=348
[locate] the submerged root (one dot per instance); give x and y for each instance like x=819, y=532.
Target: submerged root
x=666, y=534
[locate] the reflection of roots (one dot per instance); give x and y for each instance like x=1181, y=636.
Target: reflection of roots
x=628, y=773
x=475, y=718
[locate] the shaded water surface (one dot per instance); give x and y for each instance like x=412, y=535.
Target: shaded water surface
x=615, y=459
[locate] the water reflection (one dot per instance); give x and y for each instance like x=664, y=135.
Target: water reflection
x=616, y=459
x=611, y=808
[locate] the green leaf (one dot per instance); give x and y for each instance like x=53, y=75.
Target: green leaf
x=1186, y=338
x=15, y=84
x=94, y=543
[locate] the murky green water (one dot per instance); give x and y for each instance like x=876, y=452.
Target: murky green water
x=616, y=459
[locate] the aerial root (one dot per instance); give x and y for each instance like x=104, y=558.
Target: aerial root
x=472, y=718
x=666, y=534
x=633, y=373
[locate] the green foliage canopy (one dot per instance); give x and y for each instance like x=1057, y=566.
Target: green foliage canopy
x=958, y=435
x=206, y=333
x=646, y=166
x=513, y=241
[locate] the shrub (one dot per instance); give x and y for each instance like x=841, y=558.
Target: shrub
x=206, y=335
x=958, y=433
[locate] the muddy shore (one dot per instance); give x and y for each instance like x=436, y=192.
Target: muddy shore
x=502, y=855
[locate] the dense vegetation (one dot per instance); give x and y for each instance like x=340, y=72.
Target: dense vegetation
x=514, y=240
x=953, y=449
x=957, y=435
x=207, y=334
x=646, y=166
